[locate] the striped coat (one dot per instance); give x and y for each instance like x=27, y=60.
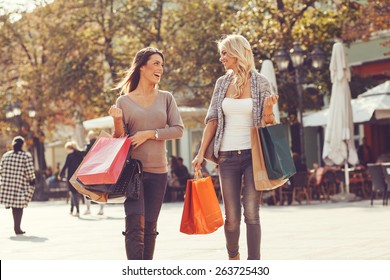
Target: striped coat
x=16, y=171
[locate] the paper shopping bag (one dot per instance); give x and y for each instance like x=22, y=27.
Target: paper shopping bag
x=276, y=152
x=93, y=195
x=262, y=181
x=201, y=212
x=96, y=195
x=104, y=162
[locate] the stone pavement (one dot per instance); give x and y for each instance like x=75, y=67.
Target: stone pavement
x=320, y=231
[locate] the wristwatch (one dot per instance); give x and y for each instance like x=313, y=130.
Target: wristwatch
x=156, y=134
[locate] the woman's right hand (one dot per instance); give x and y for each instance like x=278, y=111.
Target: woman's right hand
x=115, y=112
x=197, y=162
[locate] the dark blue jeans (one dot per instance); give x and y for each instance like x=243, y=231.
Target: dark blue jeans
x=151, y=197
x=238, y=188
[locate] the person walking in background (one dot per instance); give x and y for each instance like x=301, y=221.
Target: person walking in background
x=91, y=140
x=51, y=180
x=241, y=99
x=17, y=181
x=150, y=117
x=73, y=159
x=172, y=179
x=181, y=172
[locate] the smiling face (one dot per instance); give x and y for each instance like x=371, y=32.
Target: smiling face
x=153, y=69
x=229, y=62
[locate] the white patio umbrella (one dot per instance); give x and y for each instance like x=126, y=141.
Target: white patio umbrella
x=339, y=146
x=267, y=69
x=79, y=135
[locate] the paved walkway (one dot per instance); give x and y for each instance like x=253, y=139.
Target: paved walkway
x=320, y=231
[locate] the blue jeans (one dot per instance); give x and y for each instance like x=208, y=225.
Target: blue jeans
x=151, y=197
x=238, y=187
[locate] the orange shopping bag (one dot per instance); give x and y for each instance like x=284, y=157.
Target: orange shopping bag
x=201, y=212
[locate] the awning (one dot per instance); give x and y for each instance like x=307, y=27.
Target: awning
x=191, y=117
x=373, y=104
x=99, y=123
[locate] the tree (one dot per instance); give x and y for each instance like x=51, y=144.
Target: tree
x=376, y=18
x=190, y=32
x=68, y=55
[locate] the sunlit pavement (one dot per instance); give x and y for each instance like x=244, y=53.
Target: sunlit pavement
x=320, y=231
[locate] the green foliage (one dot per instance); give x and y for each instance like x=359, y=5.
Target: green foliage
x=68, y=55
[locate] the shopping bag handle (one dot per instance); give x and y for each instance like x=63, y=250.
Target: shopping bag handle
x=198, y=174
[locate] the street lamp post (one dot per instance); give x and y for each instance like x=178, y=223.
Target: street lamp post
x=15, y=112
x=297, y=56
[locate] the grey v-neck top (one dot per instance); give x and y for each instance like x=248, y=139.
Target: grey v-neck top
x=162, y=115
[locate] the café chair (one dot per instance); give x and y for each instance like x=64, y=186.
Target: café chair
x=300, y=187
x=357, y=182
x=386, y=174
x=329, y=184
x=377, y=181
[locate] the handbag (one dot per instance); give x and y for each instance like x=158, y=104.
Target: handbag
x=209, y=153
x=276, y=152
x=105, y=160
x=260, y=175
x=128, y=184
x=201, y=211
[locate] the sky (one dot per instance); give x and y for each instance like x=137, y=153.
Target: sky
x=24, y=5
x=9, y=6
x=12, y=5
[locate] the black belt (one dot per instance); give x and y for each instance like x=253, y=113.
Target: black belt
x=236, y=152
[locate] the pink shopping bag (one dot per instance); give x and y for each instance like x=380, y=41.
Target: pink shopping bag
x=104, y=162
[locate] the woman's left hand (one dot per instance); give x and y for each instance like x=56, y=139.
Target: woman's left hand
x=141, y=137
x=270, y=101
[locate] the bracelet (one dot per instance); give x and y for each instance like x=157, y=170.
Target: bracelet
x=268, y=115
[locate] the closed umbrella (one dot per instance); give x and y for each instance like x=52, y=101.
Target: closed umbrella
x=80, y=135
x=339, y=146
x=267, y=69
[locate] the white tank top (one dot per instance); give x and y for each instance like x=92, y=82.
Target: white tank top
x=238, y=120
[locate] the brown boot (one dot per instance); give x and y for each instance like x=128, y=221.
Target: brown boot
x=150, y=240
x=134, y=237
x=237, y=257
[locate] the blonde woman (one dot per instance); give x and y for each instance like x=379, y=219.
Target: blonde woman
x=73, y=159
x=241, y=99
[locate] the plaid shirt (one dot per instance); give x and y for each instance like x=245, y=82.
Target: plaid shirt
x=16, y=171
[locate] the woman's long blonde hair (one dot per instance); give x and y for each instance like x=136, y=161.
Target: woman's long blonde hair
x=238, y=47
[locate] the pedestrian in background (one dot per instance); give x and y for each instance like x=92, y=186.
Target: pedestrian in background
x=73, y=159
x=91, y=140
x=241, y=99
x=17, y=181
x=150, y=117
x=181, y=172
